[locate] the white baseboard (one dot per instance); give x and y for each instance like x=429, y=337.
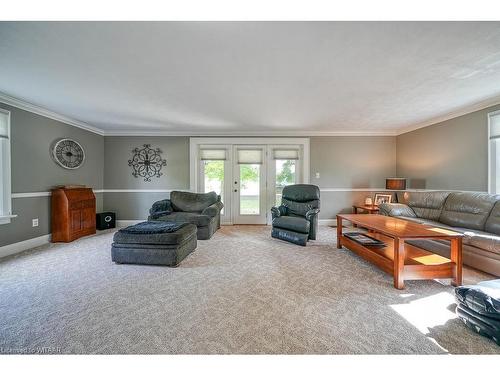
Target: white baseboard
x=24, y=245
x=126, y=223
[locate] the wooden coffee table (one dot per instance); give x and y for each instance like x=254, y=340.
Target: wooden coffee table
x=371, y=209
x=400, y=259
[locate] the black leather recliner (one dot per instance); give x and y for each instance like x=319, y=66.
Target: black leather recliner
x=296, y=219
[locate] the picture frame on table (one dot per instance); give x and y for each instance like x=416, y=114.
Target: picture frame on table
x=382, y=198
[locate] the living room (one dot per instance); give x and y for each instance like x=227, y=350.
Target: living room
x=212, y=187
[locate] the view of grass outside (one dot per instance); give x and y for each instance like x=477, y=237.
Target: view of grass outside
x=249, y=180
x=285, y=175
x=214, y=178
x=249, y=189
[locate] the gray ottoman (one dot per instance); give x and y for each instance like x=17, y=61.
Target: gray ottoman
x=157, y=243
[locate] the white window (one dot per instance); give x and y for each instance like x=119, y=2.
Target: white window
x=494, y=152
x=5, y=198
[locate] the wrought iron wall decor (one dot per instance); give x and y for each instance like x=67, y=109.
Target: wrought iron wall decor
x=146, y=162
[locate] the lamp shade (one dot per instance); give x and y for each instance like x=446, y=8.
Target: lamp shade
x=395, y=183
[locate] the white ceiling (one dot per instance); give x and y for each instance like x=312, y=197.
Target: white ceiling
x=279, y=78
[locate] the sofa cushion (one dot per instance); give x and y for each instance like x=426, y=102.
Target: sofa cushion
x=483, y=240
x=493, y=222
x=187, y=217
x=426, y=205
x=431, y=223
x=192, y=202
x=295, y=224
x=467, y=210
x=396, y=209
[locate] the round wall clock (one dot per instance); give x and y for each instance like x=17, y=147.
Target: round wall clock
x=68, y=153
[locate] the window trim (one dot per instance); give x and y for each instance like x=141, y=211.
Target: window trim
x=6, y=217
x=490, y=182
x=195, y=142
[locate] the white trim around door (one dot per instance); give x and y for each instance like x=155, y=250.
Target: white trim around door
x=229, y=144
x=195, y=143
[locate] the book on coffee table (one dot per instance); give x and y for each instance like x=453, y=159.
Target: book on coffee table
x=364, y=239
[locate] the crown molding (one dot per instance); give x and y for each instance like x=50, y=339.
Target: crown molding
x=24, y=105
x=298, y=133
x=451, y=115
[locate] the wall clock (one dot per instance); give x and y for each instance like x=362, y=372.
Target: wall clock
x=68, y=153
x=146, y=162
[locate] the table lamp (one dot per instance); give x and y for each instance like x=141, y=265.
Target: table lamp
x=395, y=183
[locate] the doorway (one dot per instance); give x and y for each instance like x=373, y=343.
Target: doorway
x=248, y=173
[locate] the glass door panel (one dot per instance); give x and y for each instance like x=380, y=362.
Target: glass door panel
x=250, y=189
x=214, y=178
x=285, y=175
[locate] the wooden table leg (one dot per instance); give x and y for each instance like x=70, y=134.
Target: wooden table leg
x=399, y=263
x=355, y=212
x=456, y=257
x=339, y=232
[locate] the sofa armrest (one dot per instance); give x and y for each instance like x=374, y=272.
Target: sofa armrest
x=278, y=211
x=312, y=213
x=160, y=208
x=213, y=210
x=396, y=209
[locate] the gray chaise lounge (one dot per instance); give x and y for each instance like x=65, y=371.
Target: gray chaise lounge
x=201, y=209
x=476, y=215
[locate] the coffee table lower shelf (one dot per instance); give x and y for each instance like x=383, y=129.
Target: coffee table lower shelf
x=413, y=263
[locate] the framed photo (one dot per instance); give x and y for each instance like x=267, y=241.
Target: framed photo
x=382, y=198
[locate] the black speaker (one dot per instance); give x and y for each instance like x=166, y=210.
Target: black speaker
x=105, y=220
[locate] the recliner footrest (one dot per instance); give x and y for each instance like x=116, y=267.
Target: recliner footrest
x=286, y=235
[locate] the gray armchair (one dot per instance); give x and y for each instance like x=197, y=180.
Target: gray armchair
x=201, y=209
x=296, y=219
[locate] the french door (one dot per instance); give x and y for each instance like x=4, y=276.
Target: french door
x=249, y=177
x=249, y=185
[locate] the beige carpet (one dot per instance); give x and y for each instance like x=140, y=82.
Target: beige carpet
x=240, y=292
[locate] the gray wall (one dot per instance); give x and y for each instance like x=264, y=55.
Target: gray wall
x=33, y=170
x=343, y=162
x=350, y=163
x=450, y=155
x=118, y=176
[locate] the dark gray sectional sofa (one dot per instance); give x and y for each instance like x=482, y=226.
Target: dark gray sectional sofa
x=476, y=215
x=201, y=209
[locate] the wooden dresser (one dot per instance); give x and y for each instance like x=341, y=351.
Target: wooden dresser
x=73, y=213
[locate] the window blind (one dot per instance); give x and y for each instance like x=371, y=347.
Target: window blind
x=4, y=126
x=213, y=154
x=495, y=126
x=282, y=154
x=249, y=156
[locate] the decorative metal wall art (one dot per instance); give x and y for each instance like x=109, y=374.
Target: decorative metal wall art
x=146, y=162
